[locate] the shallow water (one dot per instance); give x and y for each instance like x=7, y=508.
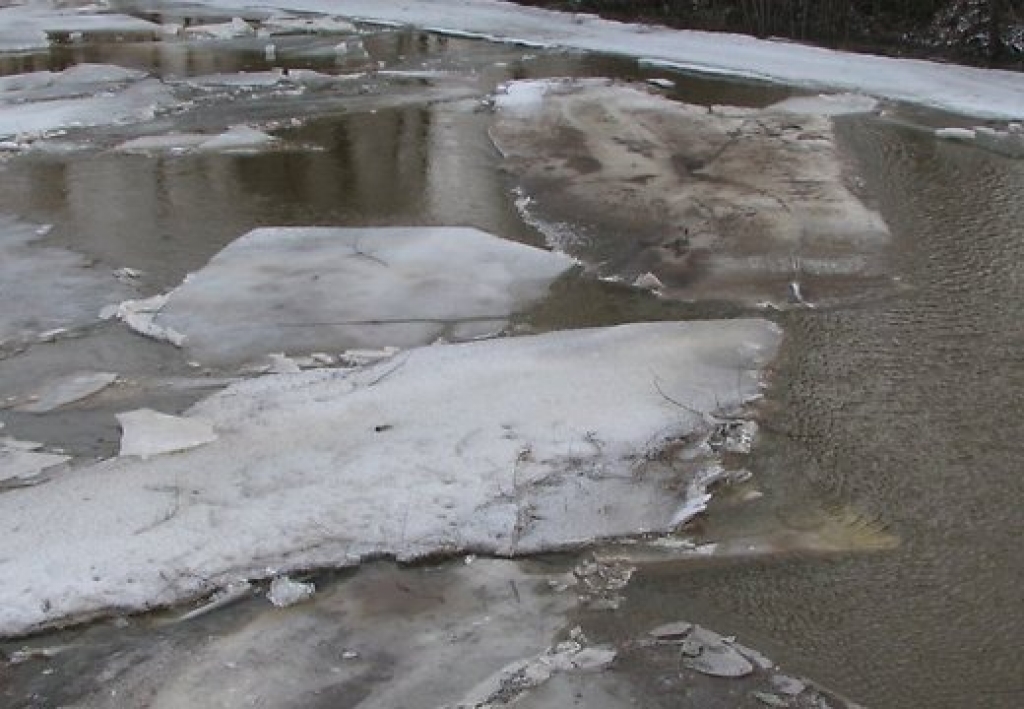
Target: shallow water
x=895, y=412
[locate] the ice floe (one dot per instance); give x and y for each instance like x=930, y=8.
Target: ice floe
x=292, y=24
x=66, y=390
x=38, y=103
x=236, y=27
x=147, y=433
x=827, y=104
x=238, y=138
x=26, y=26
x=508, y=446
x=1008, y=142
x=696, y=202
x=44, y=288
x=22, y=461
x=302, y=290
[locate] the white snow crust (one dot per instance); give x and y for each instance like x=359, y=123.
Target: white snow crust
x=508, y=446
x=302, y=290
x=966, y=90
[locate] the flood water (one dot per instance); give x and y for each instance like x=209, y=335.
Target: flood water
x=903, y=407
x=897, y=411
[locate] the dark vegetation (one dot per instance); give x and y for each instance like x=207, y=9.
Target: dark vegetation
x=987, y=32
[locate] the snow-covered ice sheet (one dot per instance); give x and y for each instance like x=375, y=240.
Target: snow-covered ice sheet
x=980, y=92
x=46, y=288
x=302, y=290
x=508, y=446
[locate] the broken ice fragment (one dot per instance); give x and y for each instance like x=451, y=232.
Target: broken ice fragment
x=709, y=653
x=315, y=289
x=66, y=390
x=671, y=631
x=23, y=465
x=147, y=433
x=285, y=592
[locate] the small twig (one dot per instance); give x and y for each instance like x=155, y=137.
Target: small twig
x=681, y=405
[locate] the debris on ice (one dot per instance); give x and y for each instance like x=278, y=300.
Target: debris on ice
x=147, y=433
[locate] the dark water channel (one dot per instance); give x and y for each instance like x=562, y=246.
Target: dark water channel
x=904, y=406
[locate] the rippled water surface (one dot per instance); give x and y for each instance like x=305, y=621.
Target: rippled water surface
x=904, y=408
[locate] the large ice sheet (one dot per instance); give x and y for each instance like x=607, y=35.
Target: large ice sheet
x=508, y=446
x=987, y=93
x=302, y=290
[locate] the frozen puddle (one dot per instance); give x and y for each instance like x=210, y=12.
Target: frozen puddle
x=303, y=290
x=712, y=202
x=506, y=447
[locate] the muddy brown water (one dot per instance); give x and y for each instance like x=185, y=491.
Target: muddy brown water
x=901, y=406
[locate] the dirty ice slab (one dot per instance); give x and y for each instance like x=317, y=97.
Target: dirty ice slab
x=714, y=202
x=506, y=446
x=300, y=290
